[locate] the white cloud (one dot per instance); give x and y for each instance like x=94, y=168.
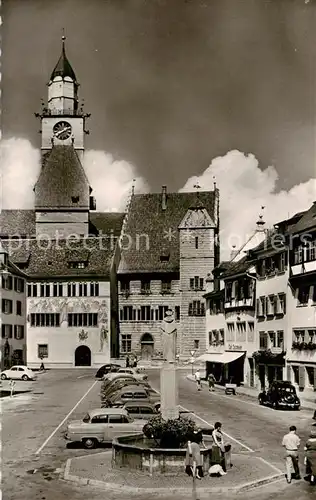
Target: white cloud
x=110, y=180
x=244, y=189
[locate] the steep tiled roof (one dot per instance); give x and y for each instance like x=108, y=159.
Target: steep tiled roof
x=107, y=223
x=307, y=222
x=17, y=222
x=22, y=222
x=235, y=268
x=63, y=67
x=147, y=221
x=62, y=180
x=52, y=260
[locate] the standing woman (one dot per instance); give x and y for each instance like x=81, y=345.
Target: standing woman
x=221, y=453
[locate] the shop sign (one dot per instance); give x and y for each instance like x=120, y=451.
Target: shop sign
x=234, y=347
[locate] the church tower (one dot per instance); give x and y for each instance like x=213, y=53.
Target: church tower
x=62, y=190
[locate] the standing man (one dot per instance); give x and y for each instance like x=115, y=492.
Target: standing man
x=291, y=442
x=211, y=382
x=197, y=377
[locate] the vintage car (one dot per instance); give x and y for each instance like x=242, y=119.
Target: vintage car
x=281, y=394
x=101, y=426
x=140, y=409
x=18, y=372
x=132, y=392
x=137, y=374
x=116, y=385
x=109, y=368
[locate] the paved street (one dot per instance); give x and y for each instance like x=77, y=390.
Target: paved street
x=33, y=423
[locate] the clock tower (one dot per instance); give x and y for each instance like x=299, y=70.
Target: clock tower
x=62, y=190
x=62, y=121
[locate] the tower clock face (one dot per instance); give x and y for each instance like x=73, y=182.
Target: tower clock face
x=62, y=130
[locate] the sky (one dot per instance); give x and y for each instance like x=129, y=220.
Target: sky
x=178, y=91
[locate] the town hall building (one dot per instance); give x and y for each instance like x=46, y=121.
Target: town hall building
x=99, y=284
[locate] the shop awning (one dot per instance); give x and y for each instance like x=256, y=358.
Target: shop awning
x=220, y=357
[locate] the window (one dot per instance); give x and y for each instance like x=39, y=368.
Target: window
x=45, y=290
x=83, y=291
x=164, y=258
x=196, y=344
x=146, y=410
x=166, y=286
x=177, y=313
x=299, y=335
x=298, y=255
x=196, y=283
x=18, y=308
x=296, y=374
x=312, y=336
x=196, y=242
x=94, y=289
x=231, y=327
x=6, y=282
x=99, y=419
x=241, y=327
x=303, y=295
x=34, y=290
x=263, y=340
x=281, y=304
x=251, y=326
x=127, y=313
x=117, y=419
x=196, y=308
x=125, y=286
x=127, y=395
x=83, y=319
x=311, y=251
x=72, y=290
x=7, y=306
x=270, y=305
x=282, y=262
x=145, y=286
x=19, y=332
x=45, y=319
x=280, y=339
x=42, y=351
x=6, y=331
x=162, y=312
x=126, y=342
x=57, y=290
x=272, y=337
x=140, y=395
x=145, y=313
x=314, y=294
x=19, y=285
x=228, y=291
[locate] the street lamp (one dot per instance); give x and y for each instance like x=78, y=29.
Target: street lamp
x=192, y=360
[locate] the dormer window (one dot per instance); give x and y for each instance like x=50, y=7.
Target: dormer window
x=75, y=199
x=164, y=258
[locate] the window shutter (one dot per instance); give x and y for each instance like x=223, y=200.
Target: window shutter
x=284, y=304
x=258, y=307
x=301, y=377
x=267, y=305
x=275, y=304
x=306, y=336
x=201, y=283
x=314, y=379
x=191, y=283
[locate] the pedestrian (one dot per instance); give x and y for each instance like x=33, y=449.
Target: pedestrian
x=310, y=456
x=291, y=443
x=135, y=363
x=193, y=459
x=127, y=361
x=42, y=367
x=211, y=382
x=197, y=377
x=221, y=452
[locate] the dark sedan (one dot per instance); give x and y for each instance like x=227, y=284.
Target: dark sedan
x=109, y=368
x=281, y=394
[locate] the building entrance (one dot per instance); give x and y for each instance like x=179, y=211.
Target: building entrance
x=82, y=356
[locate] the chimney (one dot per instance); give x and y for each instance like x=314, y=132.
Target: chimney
x=164, y=198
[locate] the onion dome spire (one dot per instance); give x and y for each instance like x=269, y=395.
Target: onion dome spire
x=63, y=67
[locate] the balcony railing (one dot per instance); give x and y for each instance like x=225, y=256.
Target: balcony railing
x=238, y=303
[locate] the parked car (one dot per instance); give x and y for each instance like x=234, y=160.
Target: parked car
x=133, y=392
x=140, y=410
x=101, y=426
x=281, y=394
x=137, y=374
x=109, y=368
x=109, y=377
x=116, y=385
x=18, y=372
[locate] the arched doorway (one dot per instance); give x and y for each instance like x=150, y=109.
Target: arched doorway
x=82, y=356
x=147, y=346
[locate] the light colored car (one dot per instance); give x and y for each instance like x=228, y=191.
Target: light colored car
x=137, y=374
x=132, y=392
x=101, y=426
x=141, y=410
x=18, y=372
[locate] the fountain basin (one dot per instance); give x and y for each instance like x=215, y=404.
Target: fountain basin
x=135, y=451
